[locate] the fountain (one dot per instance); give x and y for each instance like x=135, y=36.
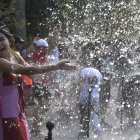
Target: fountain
x=49, y=126
x=63, y=108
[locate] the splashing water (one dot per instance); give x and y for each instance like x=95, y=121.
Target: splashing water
x=63, y=111
x=62, y=108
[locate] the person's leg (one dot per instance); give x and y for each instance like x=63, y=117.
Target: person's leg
x=128, y=99
x=37, y=99
x=47, y=93
x=35, y=95
x=103, y=103
x=95, y=118
x=83, y=110
x=130, y=113
x=83, y=117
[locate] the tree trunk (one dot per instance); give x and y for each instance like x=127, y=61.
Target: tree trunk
x=20, y=18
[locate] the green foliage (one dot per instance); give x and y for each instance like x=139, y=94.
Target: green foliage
x=35, y=17
x=41, y=15
x=98, y=21
x=7, y=13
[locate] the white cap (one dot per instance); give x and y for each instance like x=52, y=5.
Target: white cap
x=41, y=42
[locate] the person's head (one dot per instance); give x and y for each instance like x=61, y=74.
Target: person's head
x=18, y=42
x=41, y=44
x=56, y=27
x=5, y=42
x=90, y=46
x=2, y=24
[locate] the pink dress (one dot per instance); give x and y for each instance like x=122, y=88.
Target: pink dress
x=13, y=123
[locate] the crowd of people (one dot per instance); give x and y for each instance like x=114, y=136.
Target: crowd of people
x=24, y=71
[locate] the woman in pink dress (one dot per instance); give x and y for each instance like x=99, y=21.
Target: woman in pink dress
x=13, y=122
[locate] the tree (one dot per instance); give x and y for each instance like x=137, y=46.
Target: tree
x=20, y=18
x=7, y=13
x=13, y=14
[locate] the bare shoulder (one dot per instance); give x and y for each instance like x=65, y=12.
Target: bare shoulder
x=19, y=58
x=16, y=54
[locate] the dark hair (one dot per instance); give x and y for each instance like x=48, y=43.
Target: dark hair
x=18, y=39
x=90, y=46
x=6, y=32
x=2, y=24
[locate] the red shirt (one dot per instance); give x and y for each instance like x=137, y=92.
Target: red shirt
x=40, y=56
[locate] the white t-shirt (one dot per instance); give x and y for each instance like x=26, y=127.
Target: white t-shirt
x=53, y=57
x=86, y=74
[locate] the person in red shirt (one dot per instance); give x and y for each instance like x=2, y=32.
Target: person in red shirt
x=40, y=51
x=40, y=82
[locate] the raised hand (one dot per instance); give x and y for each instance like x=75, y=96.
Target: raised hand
x=66, y=65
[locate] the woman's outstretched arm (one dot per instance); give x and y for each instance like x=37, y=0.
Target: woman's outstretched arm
x=9, y=67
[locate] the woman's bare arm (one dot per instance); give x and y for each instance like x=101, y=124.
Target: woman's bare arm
x=9, y=67
x=20, y=59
